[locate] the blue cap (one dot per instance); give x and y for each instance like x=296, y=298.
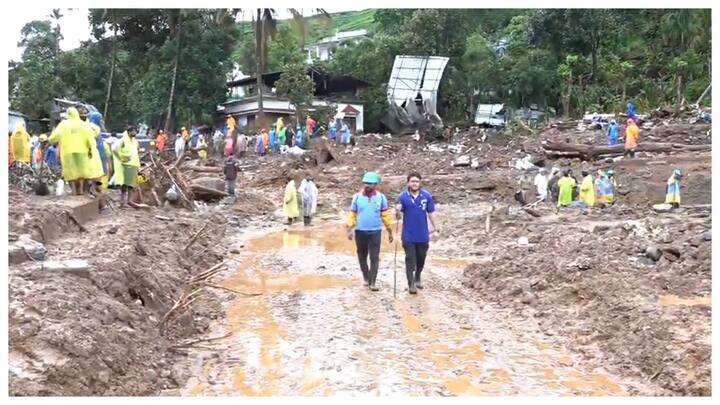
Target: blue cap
x=371, y=177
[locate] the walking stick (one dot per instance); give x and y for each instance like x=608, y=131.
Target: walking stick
x=397, y=225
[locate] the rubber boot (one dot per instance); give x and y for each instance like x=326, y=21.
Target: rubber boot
x=418, y=284
x=411, y=282
x=373, y=278
x=366, y=278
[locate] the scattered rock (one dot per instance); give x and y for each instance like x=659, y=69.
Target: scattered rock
x=26, y=247
x=76, y=267
x=113, y=230
x=653, y=253
x=707, y=236
x=662, y=207
x=523, y=241
x=528, y=299
x=462, y=161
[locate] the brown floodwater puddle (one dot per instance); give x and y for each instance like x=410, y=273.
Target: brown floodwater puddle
x=667, y=300
x=317, y=332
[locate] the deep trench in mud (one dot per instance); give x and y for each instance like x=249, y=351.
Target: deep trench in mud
x=315, y=330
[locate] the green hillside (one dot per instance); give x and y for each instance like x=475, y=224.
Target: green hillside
x=319, y=26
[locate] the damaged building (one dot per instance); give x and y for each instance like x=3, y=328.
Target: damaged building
x=339, y=91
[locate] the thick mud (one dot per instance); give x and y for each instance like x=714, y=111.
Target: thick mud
x=316, y=331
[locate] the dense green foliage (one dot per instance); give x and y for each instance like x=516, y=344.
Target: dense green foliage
x=145, y=58
x=569, y=60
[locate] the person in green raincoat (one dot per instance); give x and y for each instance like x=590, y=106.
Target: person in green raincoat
x=282, y=136
x=126, y=164
x=566, y=185
x=76, y=146
x=290, y=202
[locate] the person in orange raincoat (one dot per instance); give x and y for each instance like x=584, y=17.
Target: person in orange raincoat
x=632, y=134
x=265, y=139
x=160, y=141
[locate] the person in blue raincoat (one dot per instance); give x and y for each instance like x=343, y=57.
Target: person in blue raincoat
x=630, y=109
x=259, y=147
x=613, y=132
x=51, y=157
x=194, y=137
x=299, y=140
x=273, y=139
x=672, y=190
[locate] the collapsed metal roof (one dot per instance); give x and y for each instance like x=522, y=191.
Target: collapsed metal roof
x=412, y=93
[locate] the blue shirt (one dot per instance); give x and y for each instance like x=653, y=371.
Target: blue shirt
x=415, y=210
x=368, y=210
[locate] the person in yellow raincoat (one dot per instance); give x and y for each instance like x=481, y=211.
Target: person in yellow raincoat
x=279, y=125
x=20, y=141
x=126, y=164
x=587, y=189
x=74, y=137
x=11, y=159
x=290, y=202
x=230, y=123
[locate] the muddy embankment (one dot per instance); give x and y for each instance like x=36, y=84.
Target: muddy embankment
x=95, y=329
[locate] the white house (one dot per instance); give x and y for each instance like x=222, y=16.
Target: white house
x=325, y=48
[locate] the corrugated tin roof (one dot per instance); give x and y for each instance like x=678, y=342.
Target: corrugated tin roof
x=415, y=74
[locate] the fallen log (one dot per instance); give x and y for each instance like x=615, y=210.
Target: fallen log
x=594, y=151
x=204, y=169
x=201, y=191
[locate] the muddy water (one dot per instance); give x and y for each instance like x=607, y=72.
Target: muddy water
x=316, y=331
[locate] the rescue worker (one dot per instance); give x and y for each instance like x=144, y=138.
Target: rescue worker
x=672, y=191
x=265, y=139
x=368, y=213
x=179, y=145
x=229, y=147
x=290, y=202
x=553, y=189
x=282, y=137
x=201, y=148
x=272, y=139
x=218, y=142
x=126, y=159
x=279, y=125
x=229, y=125
x=613, y=132
x=99, y=161
x=230, y=170
x=345, y=134
x=309, y=195
x=566, y=184
x=630, y=110
x=20, y=141
x=541, y=183
x=51, y=157
x=632, y=134
x=415, y=206
x=259, y=146
x=309, y=125
x=74, y=138
x=160, y=141
x=242, y=145
x=38, y=154
x=610, y=186
x=600, y=187
x=299, y=137
x=587, y=189
x=332, y=128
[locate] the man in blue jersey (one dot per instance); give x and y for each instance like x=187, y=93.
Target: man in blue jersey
x=417, y=206
x=368, y=213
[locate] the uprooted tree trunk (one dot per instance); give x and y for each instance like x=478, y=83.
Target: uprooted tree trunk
x=589, y=152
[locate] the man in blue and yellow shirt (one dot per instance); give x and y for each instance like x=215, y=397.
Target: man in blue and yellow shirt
x=369, y=211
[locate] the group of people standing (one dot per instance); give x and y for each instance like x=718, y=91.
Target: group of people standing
x=90, y=163
x=632, y=132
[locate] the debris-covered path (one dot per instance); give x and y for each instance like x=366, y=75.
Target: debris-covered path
x=316, y=331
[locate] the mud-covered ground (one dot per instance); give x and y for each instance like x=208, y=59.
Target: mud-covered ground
x=577, y=310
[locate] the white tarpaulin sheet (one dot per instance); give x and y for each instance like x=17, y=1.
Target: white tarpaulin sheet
x=415, y=74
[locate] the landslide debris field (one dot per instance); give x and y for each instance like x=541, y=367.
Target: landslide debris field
x=226, y=300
